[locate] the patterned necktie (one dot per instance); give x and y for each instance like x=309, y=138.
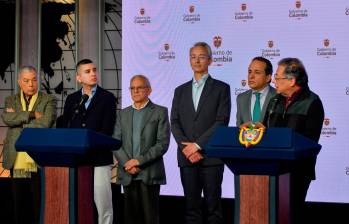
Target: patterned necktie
x=257, y=108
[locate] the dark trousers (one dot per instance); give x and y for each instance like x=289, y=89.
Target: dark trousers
x=208, y=180
x=26, y=199
x=141, y=203
x=299, y=188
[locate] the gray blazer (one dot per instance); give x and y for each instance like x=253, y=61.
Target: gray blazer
x=243, y=103
x=19, y=119
x=155, y=139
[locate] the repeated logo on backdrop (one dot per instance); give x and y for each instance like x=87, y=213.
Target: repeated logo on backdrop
x=298, y=12
x=242, y=88
x=243, y=14
x=220, y=56
x=326, y=51
x=270, y=51
x=327, y=129
x=142, y=18
x=237, y=31
x=192, y=16
x=166, y=54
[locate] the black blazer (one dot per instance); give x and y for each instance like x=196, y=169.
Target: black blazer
x=100, y=116
x=188, y=125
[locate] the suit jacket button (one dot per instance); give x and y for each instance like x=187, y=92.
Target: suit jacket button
x=83, y=124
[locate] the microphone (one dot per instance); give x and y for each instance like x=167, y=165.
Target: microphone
x=77, y=107
x=272, y=109
x=83, y=100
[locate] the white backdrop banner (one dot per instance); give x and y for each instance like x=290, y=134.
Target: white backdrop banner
x=157, y=36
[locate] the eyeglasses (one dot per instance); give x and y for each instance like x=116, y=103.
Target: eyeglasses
x=137, y=88
x=277, y=79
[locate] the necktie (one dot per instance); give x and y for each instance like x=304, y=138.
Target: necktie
x=257, y=108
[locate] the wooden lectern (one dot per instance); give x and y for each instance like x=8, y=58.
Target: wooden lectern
x=261, y=171
x=65, y=155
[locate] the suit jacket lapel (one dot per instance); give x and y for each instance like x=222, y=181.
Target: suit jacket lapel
x=18, y=104
x=147, y=115
x=188, y=94
x=128, y=134
x=95, y=99
x=248, y=112
x=37, y=101
x=266, y=102
x=204, y=94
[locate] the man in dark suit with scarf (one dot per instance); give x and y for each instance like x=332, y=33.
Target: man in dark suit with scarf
x=29, y=108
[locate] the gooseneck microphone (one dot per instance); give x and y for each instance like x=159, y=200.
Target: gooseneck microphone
x=83, y=100
x=272, y=109
x=77, y=107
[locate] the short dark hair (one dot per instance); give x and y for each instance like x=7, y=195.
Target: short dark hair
x=205, y=45
x=294, y=68
x=83, y=62
x=268, y=66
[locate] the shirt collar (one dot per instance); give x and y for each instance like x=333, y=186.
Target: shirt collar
x=143, y=106
x=93, y=91
x=200, y=81
x=263, y=91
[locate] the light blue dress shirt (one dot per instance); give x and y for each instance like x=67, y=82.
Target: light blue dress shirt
x=93, y=91
x=198, y=86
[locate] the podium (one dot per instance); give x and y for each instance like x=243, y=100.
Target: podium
x=261, y=172
x=66, y=157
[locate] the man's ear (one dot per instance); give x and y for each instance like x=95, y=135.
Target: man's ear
x=150, y=90
x=269, y=78
x=78, y=78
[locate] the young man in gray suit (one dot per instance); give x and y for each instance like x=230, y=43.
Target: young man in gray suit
x=30, y=108
x=198, y=107
x=252, y=104
x=144, y=130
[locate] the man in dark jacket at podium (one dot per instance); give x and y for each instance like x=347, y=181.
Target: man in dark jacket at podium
x=94, y=108
x=296, y=107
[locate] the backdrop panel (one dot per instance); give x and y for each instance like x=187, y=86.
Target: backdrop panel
x=157, y=36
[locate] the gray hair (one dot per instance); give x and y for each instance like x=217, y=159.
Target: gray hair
x=144, y=78
x=26, y=68
x=205, y=45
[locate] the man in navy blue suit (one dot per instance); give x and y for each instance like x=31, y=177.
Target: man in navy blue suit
x=198, y=107
x=94, y=108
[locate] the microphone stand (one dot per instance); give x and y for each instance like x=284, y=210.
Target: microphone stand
x=275, y=101
x=77, y=108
